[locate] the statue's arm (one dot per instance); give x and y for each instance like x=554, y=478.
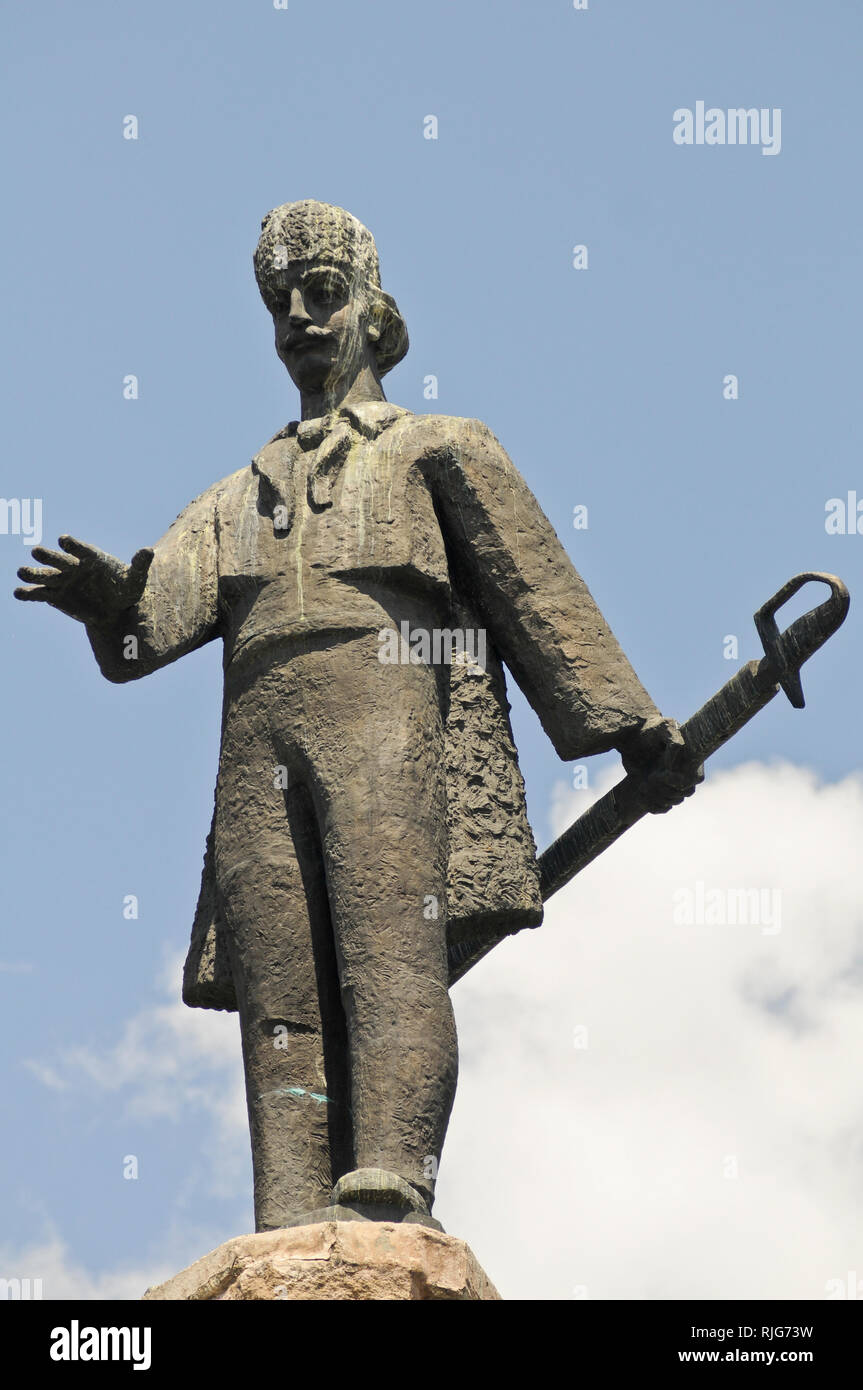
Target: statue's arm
x=540, y=613
x=178, y=609
x=141, y=616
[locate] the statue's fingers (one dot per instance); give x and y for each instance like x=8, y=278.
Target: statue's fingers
x=652, y=798
x=689, y=778
x=680, y=774
x=32, y=595
x=50, y=578
x=54, y=557
x=681, y=786
x=660, y=793
x=80, y=549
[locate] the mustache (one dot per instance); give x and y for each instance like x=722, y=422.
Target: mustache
x=306, y=336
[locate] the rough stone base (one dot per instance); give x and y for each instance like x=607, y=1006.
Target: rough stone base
x=335, y=1260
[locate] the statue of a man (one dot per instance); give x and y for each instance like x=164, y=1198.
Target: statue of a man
x=367, y=575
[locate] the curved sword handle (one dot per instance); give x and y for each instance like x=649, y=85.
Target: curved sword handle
x=756, y=683
x=786, y=651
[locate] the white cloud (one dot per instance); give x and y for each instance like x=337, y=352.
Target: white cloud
x=49, y=1076
x=710, y=1050
x=60, y=1275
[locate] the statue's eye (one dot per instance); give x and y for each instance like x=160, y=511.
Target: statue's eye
x=325, y=289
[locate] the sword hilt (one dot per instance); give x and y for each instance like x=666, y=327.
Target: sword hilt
x=756, y=683
x=786, y=651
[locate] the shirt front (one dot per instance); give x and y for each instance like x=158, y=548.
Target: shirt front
x=332, y=528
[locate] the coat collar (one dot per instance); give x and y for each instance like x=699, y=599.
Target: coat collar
x=368, y=418
x=329, y=440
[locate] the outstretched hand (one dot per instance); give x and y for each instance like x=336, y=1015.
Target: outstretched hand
x=657, y=755
x=85, y=583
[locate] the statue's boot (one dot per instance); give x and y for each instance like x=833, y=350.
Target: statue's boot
x=373, y=1194
x=383, y=1196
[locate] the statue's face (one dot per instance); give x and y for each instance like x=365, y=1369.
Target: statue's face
x=321, y=330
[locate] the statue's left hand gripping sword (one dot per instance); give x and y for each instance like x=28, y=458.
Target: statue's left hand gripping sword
x=754, y=686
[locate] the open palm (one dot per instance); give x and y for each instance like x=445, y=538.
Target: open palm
x=84, y=582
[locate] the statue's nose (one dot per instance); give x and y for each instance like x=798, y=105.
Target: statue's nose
x=297, y=312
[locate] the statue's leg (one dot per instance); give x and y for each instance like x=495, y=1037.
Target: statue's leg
x=271, y=884
x=376, y=745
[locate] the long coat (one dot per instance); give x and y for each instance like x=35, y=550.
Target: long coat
x=333, y=523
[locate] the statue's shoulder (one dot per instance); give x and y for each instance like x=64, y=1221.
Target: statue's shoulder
x=226, y=491
x=453, y=436
x=201, y=512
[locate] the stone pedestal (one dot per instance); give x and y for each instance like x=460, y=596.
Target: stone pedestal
x=335, y=1260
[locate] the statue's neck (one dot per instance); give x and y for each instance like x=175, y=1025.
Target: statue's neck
x=365, y=385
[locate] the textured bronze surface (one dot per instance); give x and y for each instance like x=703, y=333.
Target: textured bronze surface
x=368, y=575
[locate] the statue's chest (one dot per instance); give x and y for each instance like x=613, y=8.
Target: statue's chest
x=372, y=511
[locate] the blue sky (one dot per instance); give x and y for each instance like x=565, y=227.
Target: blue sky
x=605, y=385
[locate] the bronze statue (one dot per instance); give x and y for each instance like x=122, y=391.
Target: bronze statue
x=368, y=575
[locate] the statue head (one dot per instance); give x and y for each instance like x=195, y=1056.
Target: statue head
x=318, y=273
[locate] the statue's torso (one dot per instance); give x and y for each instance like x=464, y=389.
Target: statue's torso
x=361, y=561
